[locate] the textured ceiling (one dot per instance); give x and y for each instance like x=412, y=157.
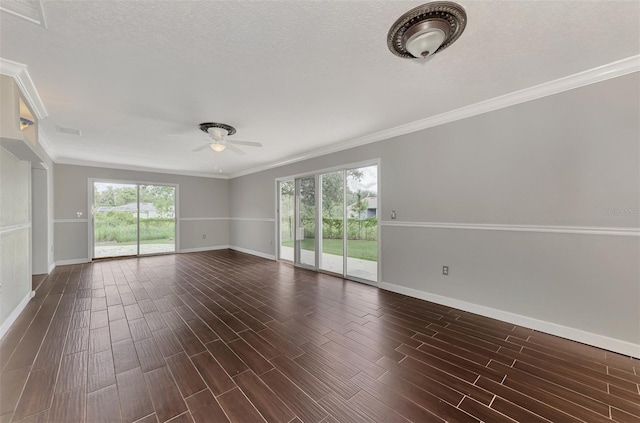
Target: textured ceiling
x=294, y=75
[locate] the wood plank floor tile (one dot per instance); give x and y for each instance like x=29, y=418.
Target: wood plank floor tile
x=238, y=408
x=101, y=371
x=280, y=343
x=204, y=408
x=212, y=373
x=103, y=406
x=149, y=354
x=167, y=342
x=552, y=388
x=119, y=330
x=483, y=412
x=189, y=341
x=165, y=395
x=77, y=340
x=155, y=321
x=73, y=372
x=258, y=343
x=299, y=402
x=343, y=411
x=375, y=409
x=526, y=402
x=337, y=382
x=11, y=384
x=250, y=356
x=68, y=406
x=185, y=374
x=182, y=418
x=271, y=407
x=124, y=356
x=300, y=346
x=139, y=329
x=135, y=401
x=229, y=361
x=99, y=340
x=37, y=393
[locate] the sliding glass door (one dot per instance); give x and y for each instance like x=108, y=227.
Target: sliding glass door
x=133, y=219
x=286, y=209
x=335, y=222
x=332, y=240
x=362, y=229
x=305, y=245
x=115, y=219
x=157, y=222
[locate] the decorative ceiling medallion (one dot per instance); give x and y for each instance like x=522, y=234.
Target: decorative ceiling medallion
x=204, y=127
x=426, y=30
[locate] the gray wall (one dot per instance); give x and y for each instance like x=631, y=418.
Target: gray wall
x=39, y=222
x=15, y=233
x=566, y=160
x=202, y=206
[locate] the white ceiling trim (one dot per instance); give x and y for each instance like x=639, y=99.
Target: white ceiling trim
x=77, y=162
x=591, y=76
x=20, y=73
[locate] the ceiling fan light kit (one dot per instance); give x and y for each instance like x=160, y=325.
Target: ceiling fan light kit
x=212, y=128
x=219, y=133
x=426, y=30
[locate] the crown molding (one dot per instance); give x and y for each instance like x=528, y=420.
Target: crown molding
x=577, y=80
x=88, y=163
x=20, y=74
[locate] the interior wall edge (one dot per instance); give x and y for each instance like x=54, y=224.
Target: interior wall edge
x=72, y=261
x=6, y=325
x=253, y=252
x=594, y=339
x=201, y=249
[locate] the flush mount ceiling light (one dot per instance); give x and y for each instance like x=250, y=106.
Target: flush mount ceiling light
x=427, y=29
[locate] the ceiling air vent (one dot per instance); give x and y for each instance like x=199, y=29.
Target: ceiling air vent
x=30, y=10
x=71, y=131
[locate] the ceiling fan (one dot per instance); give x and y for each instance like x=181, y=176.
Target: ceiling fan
x=219, y=133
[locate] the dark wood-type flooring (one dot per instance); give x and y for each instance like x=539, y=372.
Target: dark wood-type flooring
x=224, y=336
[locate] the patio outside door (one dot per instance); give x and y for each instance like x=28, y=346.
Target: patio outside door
x=305, y=242
x=130, y=219
x=334, y=216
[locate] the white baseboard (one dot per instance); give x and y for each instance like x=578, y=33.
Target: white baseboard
x=199, y=249
x=600, y=341
x=72, y=261
x=4, y=328
x=52, y=267
x=253, y=252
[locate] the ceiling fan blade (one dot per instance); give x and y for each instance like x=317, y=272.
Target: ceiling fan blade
x=235, y=149
x=202, y=147
x=249, y=143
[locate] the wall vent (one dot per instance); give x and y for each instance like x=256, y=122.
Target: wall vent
x=30, y=10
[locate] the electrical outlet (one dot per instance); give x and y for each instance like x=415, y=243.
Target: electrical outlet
x=204, y=236
x=393, y=215
x=445, y=270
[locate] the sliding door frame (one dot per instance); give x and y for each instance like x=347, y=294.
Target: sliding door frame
x=90, y=211
x=316, y=173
